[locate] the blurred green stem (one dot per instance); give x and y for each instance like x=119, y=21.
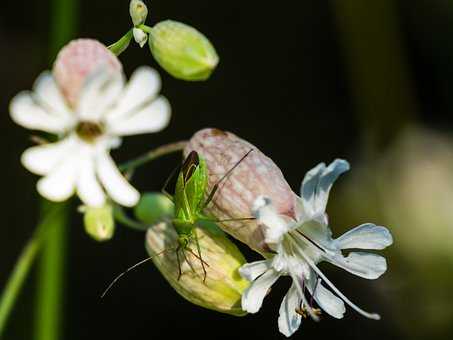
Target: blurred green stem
x=152, y=155
x=49, y=299
x=380, y=80
x=23, y=266
x=51, y=272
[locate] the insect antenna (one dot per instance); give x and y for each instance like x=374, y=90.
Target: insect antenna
x=110, y=286
x=167, y=181
x=216, y=186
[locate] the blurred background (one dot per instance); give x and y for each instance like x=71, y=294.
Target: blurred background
x=304, y=81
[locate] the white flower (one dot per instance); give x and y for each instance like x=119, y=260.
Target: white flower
x=80, y=160
x=300, y=245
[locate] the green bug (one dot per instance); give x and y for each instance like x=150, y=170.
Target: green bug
x=190, y=201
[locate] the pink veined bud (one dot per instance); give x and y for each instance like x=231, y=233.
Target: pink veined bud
x=76, y=61
x=256, y=175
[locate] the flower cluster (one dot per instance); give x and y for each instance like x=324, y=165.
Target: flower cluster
x=88, y=123
x=84, y=107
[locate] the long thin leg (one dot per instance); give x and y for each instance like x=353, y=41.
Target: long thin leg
x=199, y=254
x=188, y=261
x=179, y=262
x=216, y=186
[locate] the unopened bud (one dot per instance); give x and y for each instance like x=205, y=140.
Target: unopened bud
x=221, y=289
x=153, y=207
x=140, y=37
x=99, y=222
x=182, y=51
x=76, y=61
x=138, y=12
x=256, y=175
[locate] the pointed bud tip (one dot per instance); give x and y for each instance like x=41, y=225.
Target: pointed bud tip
x=138, y=12
x=99, y=222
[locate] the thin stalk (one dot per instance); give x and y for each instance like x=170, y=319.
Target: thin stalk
x=48, y=317
x=21, y=270
x=152, y=155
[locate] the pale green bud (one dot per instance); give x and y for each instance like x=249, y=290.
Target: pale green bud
x=153, y=207
x=99, y=222
x=182, y=51
x=223, y=287
x=138, y=12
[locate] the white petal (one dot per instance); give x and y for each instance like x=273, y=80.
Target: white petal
x=288, y=320
x=152, y=118
x=250, y=271
x=365, y=236
x=324, y=278
x=274, y=226
x=140, y=37
x=114, y=182
x=142, y=88
x=253, y=296
x=59, y=185
x=317, y=184
x=366, y=265
x=43, y=158
x=48, y=95
x=100, y=92
x=327, y=301
x=88, y=187
x=28, y=113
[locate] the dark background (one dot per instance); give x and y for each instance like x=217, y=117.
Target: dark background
x=305, y=81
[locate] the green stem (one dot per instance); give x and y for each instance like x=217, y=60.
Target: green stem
x=121, y=217
x=152, y=155
x=121, y=45
x=21, y=271
x=146, y=29
x=51, y=273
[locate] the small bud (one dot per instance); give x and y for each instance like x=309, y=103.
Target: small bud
x=76, y=61
x=153, y=207
x=223, y=287
x=138, y=12
x=257, y=175
x=99, y=222
x=182, y=51
x=140, y=37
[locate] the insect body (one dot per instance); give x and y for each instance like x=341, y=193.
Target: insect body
x=190, y=200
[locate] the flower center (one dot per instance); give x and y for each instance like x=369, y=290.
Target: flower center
x=89, y=131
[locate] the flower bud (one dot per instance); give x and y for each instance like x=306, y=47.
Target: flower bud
x=76, y=61
x=140, y=37
x=99, y=222
x=138, y=12
x=223, y=287
x=153, y=207
x=256, y=175
x=182, y=51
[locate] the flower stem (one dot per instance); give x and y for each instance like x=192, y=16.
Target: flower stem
x=152, y=155
x=145, y=28
x=51, y=270
x=21, y=270
x=121, y=45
